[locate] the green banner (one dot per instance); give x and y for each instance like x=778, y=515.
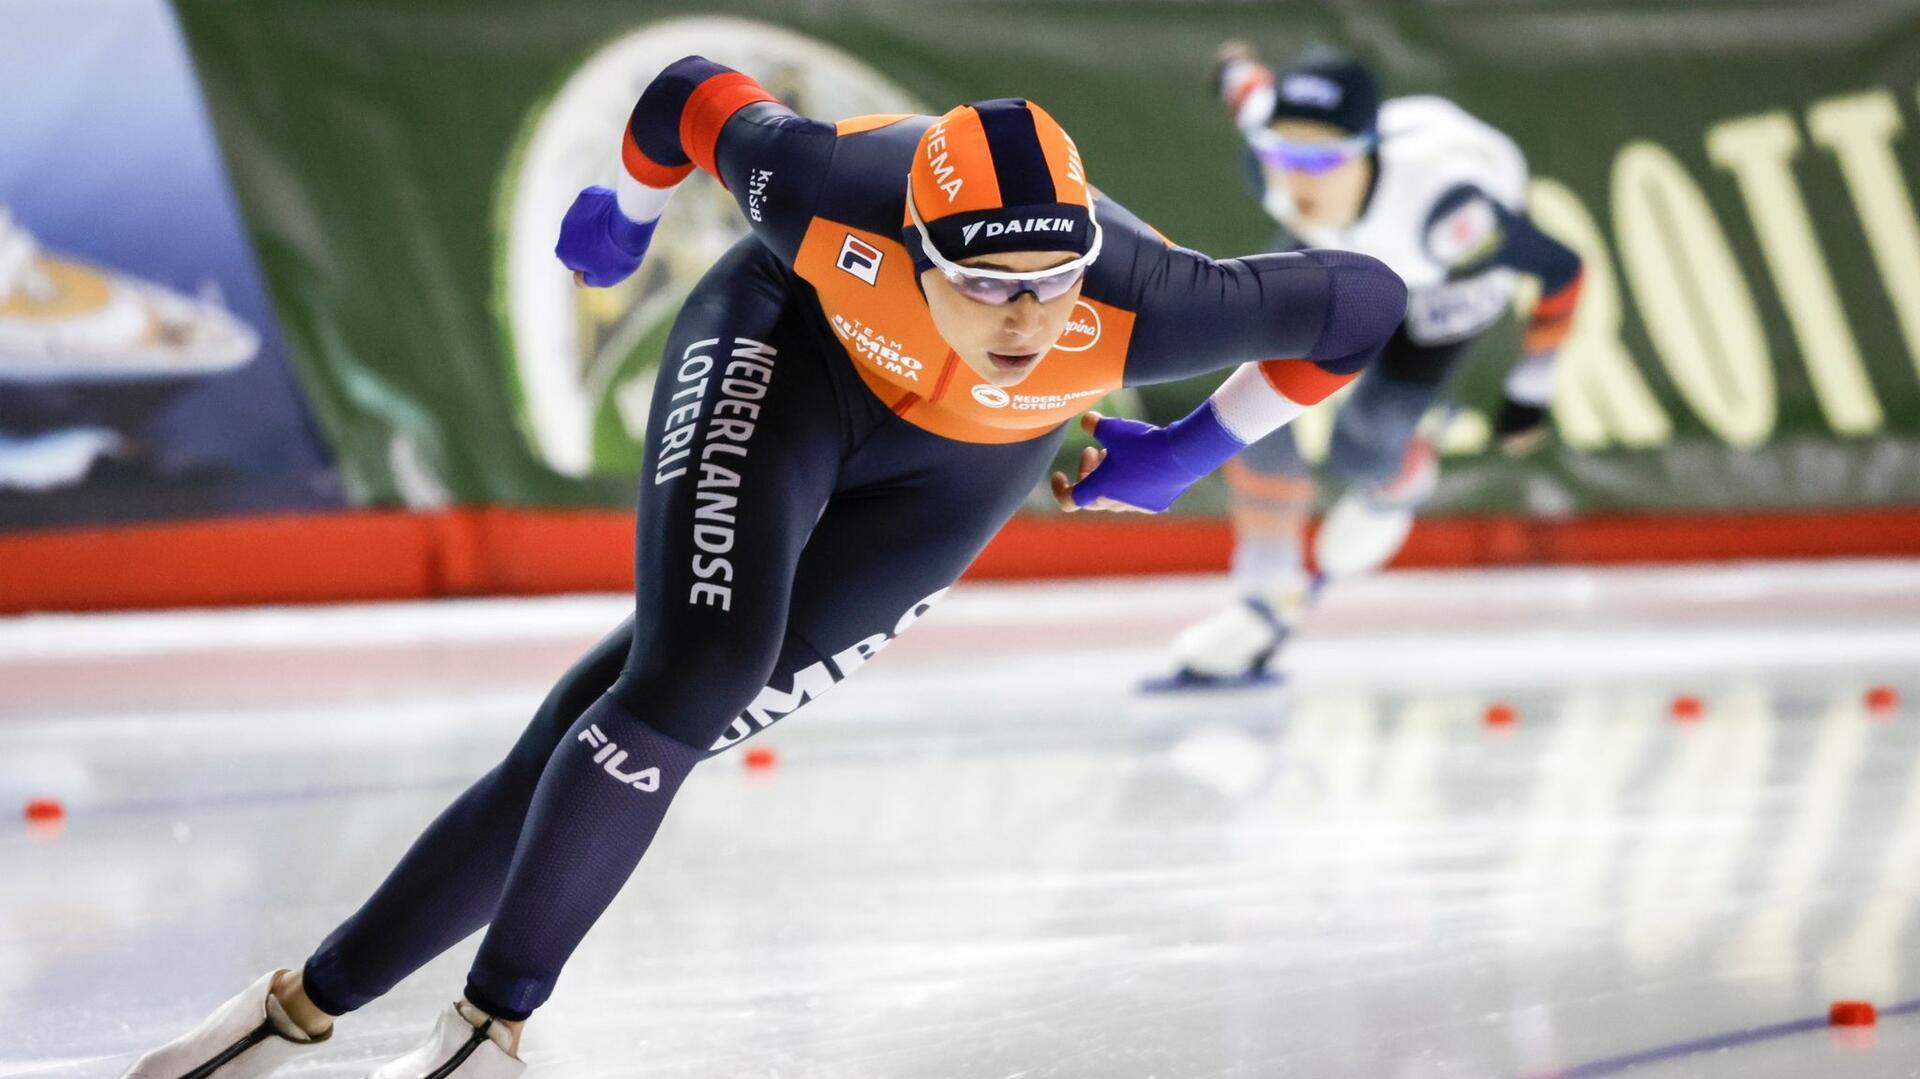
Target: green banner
x=1736, y=176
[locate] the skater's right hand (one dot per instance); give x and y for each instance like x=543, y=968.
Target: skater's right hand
x=598, y=243
x=1142, y=468
x=1090, y=458
x=1233, y=50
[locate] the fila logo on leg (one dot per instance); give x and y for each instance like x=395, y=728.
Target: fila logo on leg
x=610, y=757
x=860, y=258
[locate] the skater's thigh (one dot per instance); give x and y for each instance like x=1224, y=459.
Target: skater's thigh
x=744, y=443
x=1389, y=400
x=1407, y=365
x=884, y=552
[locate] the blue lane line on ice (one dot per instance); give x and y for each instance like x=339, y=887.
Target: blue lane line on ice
x=1711, y=1044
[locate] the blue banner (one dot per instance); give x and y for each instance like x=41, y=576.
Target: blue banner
x=141, y=371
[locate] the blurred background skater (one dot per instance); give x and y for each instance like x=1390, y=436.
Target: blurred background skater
x=855, y=399
x=1439, y=196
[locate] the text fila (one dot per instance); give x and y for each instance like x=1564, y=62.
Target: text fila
x=610, y=757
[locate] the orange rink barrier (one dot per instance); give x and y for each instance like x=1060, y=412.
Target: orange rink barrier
x=373, y=555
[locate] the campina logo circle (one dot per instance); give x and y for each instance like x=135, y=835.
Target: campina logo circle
x=581, y=362
x=1083, y=329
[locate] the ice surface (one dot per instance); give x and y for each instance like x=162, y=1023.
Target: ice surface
x=985, y=856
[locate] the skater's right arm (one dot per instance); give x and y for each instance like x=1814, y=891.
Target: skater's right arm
x=699, y=114
x=1245, y=85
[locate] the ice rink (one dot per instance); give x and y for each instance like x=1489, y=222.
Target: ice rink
x=986, y=856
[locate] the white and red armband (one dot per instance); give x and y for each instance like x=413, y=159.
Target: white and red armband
x=675, y=128
x=1260, y=398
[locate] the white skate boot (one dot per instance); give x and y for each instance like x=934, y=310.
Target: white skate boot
x=1368, y=526
x=1235, y=645
x=249, y=1036
x=466, y=1044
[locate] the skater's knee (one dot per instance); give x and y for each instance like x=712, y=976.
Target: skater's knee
x=1370, y=435
x=573, y=694
x=1363, y=457
x=694, y=695
x=1367, y=302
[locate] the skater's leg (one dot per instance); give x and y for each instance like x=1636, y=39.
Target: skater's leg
x=1390, y=469
x=1269, y=497
x=911, y=512
x=447, y=884
x=1371, y=433
x=1271, y=494
x=914, y=512
x=743, y=450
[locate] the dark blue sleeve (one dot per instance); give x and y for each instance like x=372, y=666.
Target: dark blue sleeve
x=1194, y=314
x=697, y=113
x=655, y=121
x=776, y=164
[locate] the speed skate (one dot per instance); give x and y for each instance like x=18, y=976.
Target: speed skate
x=464, y=1045
x=248, y=1037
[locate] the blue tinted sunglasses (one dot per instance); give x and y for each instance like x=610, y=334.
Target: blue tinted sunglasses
x=1312, y=158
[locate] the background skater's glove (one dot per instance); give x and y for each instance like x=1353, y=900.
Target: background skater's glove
x=1520, y=427
x=597, y=240
x=1148, y=467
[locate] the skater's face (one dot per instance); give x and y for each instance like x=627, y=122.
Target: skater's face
x=1324, y=170
x=1003, y=342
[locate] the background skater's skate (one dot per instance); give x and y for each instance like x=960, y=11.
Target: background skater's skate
x=1235, y=647
x=1371, y=521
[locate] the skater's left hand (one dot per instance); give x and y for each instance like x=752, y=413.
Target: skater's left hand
x=1136, y=466
x=1520, y=428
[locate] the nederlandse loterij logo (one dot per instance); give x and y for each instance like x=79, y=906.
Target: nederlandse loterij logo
x=581, y=362
x=991, y=396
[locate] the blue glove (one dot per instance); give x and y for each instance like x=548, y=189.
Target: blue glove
x=1148, y=466
x=597, y=240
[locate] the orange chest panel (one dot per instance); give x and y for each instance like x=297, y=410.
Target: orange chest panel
x=867, y=292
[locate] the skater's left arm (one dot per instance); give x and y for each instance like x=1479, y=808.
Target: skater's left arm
x=697, y=114
x=1296, y=327
x=1472, y=232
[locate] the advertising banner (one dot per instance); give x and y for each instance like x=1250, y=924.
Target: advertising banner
x=1736, y=175
x=141, y=374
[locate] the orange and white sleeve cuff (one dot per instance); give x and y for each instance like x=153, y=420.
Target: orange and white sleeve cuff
x=1260, y=398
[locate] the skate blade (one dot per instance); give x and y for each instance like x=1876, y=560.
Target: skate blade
x=1186, y=680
